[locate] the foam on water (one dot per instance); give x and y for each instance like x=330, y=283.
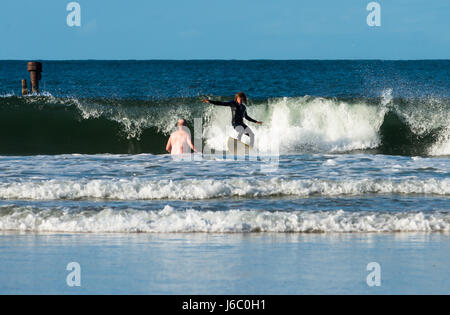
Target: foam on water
x=195, y=189
x=442, y=146
x=7, y=95
x=169, y=220
x=306, y=124
x=134, y=120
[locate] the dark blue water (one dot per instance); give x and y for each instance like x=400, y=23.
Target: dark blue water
x=260, y=79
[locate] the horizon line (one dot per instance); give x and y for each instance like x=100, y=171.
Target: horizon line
x=233, y=59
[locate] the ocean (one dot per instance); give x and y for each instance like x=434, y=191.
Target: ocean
x=360, y=174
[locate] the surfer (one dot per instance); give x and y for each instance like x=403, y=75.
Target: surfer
x=180, y=140
x=239, y=112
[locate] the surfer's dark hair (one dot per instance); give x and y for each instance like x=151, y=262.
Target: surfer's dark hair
x=184, y=122
x=242, y=96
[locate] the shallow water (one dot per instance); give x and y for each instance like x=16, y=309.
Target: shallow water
x=411, y=263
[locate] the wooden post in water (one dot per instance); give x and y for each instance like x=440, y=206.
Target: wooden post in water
x=24, y=87
x=35, y=69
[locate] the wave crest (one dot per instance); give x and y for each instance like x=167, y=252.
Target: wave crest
x=170, y=220
x=193, y=189
x=49, y=125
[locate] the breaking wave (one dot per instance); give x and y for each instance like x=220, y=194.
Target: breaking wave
x=169, y=220
x=196, y=189
x=49, y=125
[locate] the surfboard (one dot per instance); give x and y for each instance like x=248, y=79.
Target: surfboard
x=237, y=147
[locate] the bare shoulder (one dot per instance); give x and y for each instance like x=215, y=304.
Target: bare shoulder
x=184, y=133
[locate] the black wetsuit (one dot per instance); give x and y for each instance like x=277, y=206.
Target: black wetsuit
x=238, y=112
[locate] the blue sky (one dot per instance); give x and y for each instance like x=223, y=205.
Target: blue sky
x=231, y=29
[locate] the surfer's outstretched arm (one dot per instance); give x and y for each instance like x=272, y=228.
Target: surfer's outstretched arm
x=232, y=103
x=251, y=119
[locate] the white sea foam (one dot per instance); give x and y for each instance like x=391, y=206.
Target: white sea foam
x=442, y=145
x=305, y=124
x=386, y=97
x=433, y=115
x=7, y=95
x=170, y=220
x=134, y=120
x=330, y=163
x=192, y=189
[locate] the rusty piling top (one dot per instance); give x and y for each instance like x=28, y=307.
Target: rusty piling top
x=34, y=66
x=35, y=69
